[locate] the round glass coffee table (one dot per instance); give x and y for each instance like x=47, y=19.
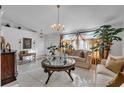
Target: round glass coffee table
x=58, y=64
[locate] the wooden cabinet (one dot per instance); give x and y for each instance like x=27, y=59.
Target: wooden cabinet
x=8, y=67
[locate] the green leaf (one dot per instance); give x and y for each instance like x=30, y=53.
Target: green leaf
x=119, y=30
x=117, y=38
x=107, y=34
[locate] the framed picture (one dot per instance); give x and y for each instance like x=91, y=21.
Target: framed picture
x=27, y=43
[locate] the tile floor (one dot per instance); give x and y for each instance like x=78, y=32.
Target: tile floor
x=32, y=75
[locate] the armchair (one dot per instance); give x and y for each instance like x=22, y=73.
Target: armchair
x=83, y=58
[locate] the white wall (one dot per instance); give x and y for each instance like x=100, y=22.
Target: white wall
x=123, y=37
x=123, y=44
x=117, y=47
x=0, y=18
x=13, y=35
x=51, y=39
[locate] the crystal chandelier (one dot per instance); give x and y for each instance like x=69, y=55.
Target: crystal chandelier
x=57, y=26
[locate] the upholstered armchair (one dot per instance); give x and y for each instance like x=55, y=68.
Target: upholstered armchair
x=83, y=58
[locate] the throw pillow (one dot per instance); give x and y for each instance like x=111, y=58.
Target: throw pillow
x=115, y=64
x=81, y=54
x=117, y=81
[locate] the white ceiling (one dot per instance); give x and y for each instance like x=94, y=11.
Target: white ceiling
x=74, y=17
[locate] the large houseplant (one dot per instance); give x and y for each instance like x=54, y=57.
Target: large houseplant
x=106, y=35
x=52, y=49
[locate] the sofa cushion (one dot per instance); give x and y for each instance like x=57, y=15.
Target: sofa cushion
x=117, y=81
x=86, y=53
x=82, y=65
x=101, y=69
x=115, y=64
x=23, y=52
x=103, y=61
x=114, y=57
x=82, y=54
x=76, y=53
x=78, y=59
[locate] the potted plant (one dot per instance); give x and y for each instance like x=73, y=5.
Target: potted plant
x=52, y=49
x=106, y=35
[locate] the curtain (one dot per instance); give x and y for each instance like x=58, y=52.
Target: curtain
x=80, y=40
x=85, y=45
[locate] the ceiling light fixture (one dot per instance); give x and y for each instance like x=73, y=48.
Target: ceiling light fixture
x=57, y=26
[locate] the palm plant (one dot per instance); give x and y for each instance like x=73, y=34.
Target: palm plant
x=52, y=49
x=106, y=34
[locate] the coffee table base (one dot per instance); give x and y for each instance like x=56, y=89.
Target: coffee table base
x=50, y=73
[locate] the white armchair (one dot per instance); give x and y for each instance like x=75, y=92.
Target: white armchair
x=103, y=75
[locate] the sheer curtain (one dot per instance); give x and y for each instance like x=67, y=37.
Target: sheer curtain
x=83, y=43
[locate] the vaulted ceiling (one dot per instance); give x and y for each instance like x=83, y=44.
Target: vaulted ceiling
x=74, y=17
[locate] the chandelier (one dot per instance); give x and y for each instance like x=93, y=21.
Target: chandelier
x=57, y=26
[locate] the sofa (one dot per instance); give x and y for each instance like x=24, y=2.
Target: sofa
x=82, y=58
x=25, y=53
x=104, y=75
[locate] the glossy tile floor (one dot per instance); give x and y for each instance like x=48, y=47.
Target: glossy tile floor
x=32, y=75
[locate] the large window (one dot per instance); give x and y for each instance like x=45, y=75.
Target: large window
x=80, y=40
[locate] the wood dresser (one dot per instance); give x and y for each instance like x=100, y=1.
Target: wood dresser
x=8, y=67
